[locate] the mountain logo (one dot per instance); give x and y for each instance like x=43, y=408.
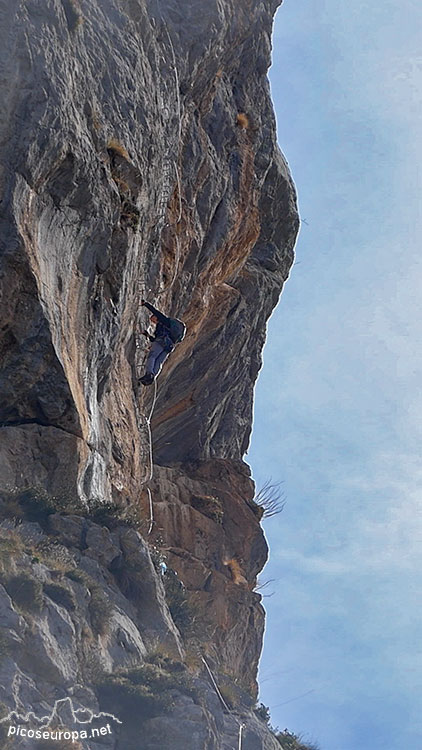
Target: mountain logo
x=62, y=711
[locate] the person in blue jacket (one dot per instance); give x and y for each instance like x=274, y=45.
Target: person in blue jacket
x=168, y=331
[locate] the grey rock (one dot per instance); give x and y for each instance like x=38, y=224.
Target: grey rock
x=138, y=159
x=69, y=305
x=149, y=589
x=9, y=618
x=126, y=646
x=31, y=532
x=66, y=528
x=50, y=651
x=190, y=733
x=99, y=544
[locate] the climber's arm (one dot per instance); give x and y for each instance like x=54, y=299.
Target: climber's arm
x=148, y=335
x=162, y=318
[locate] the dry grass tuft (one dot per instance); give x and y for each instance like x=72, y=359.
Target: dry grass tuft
x=25, y=591
x=117, y=148
x=290, y=741
x=209, y=506
x=242, y=121
x=236, y=571
x=11, y=545
x=270, y=498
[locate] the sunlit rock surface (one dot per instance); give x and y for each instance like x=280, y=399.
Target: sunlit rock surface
x=138, y=159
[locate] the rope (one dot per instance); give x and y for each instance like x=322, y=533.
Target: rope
x=176, y=267
x=179, y=112
x=176, y=77
x=217, y=690
x=151, y=460
x=148, y=423
x=151, y=512
x=175, y=164
x=241, y=726
x=147, y=419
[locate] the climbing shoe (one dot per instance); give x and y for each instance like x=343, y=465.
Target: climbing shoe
x=147, y=379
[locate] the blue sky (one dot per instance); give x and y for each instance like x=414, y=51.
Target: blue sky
x=338, y=410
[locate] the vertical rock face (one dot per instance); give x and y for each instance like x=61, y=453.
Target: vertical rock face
x=138, y=159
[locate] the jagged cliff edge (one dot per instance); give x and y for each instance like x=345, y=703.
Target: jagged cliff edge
x=138, y=158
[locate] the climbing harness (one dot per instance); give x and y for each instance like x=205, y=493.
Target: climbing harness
x=217, y=690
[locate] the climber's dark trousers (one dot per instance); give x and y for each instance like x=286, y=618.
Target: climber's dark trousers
x=157, y=355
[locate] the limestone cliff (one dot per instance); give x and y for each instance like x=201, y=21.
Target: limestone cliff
x=138, y=159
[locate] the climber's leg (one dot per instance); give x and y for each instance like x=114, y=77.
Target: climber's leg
x=156, y=357
x=154, y=351
x=160, y=360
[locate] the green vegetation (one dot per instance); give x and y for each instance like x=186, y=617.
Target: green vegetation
x=60, y=594
x=78, y=575
x=100, y=607
x=52, y=554
x=209, y=506
x=159, y=559
x=185, y=614
x=141, y=692
x=10, y=507
x=164, y=661
x=290, y=741
x=35, y=504
x=185, y=611
x=10, y=546
x=31, y=503
x=130, y=581
x=129, y=212
x=4, y=644
x=263, y=712
x=167, y=657
x=230, y=695
x=111, y=514
x=25, y=591
x=104, y=514
x=287, y=740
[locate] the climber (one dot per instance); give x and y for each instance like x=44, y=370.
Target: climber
x=168, y=332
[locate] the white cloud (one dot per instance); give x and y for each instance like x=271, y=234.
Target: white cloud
x=339, y=409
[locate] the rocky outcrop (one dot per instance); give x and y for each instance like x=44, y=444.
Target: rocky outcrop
x=86, y=613
x=138, y=159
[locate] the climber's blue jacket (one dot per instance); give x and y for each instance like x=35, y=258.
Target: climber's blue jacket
x=162, y=330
